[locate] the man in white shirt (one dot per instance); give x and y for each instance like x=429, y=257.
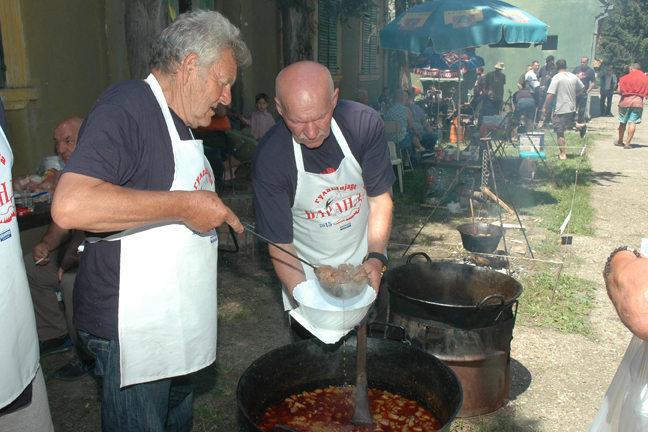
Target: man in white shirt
x=532, y=78
x=565, y=86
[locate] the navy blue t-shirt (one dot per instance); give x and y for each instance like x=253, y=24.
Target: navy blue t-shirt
x=124, y=141
x=274, y=171
x=586, y=75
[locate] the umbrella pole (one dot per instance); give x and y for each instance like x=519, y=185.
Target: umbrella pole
x=438, y=116
x=459, y=112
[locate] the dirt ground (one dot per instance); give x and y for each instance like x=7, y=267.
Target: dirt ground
x=557, y=380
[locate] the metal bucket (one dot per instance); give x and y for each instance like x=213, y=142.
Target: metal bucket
x=474, y=340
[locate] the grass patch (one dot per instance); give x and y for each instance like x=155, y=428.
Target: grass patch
x=221, y=369
x=222, y=389
x=205, y=420
x=552, y=204
x=571, y=306
x=232, y=311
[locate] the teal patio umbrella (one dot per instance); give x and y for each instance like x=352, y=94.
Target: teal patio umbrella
x=459, y=24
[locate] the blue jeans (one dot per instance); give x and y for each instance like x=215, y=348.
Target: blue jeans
x=429, y=140
x=163, y=405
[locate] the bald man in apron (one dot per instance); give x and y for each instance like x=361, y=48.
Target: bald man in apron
x=322, y=177
x=145, y=293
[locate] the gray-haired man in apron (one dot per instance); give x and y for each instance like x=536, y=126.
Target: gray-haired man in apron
x=145, y=294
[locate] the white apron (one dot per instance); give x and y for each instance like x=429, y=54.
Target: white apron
x=330, y=213
x=167, y=284
x=18, y=338
x=625, y=406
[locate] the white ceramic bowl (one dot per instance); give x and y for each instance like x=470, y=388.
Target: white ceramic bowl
x=329, y=313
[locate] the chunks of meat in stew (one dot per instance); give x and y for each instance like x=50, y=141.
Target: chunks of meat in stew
x=331, y=410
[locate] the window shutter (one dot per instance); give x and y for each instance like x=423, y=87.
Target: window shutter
x=327, y=35
x=370, y=41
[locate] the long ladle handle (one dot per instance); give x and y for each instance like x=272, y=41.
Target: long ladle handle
x=278, y=247
x=361, y=413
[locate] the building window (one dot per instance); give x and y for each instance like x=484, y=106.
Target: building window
x=551, y=44
x=327, y=35
x=370, y=41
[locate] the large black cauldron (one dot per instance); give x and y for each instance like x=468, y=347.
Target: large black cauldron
x=462, y=296
x=309, y=364
x=463, y=315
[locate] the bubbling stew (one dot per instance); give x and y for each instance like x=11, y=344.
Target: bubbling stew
x=331, y=410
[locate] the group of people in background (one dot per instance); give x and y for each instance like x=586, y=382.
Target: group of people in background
x=558, y=98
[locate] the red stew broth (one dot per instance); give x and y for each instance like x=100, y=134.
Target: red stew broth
x=331, y=410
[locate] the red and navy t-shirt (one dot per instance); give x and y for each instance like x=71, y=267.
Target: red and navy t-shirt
x=586, y=75
x=274, y=171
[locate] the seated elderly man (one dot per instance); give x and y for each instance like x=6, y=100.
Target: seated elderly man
x=220, y=135
x=422, y=128
x=53, y=265
x=362, y=97
x=406, y=138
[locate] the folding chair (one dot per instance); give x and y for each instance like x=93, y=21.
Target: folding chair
x=396, y=161
x=394, y=127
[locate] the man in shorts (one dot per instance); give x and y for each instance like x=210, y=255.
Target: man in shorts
x=565, y=86
x=633, y=88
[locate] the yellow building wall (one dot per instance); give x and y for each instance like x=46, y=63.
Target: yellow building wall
x=73, y=49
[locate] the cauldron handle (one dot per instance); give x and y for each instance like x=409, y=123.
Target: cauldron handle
x=285, y=428
x=409, y=258
x=492, y=296
x=387, y=326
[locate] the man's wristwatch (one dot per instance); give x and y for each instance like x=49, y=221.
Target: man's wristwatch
x=382, y=258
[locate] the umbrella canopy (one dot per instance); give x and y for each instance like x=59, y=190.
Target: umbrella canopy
x=459, y=24
x=434, y=65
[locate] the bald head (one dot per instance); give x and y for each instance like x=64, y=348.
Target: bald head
x=306, y=99
x=65, y=137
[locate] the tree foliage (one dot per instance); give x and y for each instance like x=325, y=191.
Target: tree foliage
x=624, y=40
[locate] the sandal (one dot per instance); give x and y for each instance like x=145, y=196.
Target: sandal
x=617, y=143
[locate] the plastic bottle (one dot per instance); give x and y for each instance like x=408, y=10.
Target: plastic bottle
x=430, y=184
x=434, y=185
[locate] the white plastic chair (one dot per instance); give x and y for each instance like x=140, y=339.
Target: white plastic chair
x=394, y=127
x=398, y=162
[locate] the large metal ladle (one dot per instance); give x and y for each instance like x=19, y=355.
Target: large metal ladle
x=279, y=247
x=340, y=291
x=361, y=413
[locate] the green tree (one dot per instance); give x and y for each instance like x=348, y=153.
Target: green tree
x=624, y=39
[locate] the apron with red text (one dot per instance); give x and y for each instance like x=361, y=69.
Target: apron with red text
x=167, y=284
x=19, y=355
x=330, y=213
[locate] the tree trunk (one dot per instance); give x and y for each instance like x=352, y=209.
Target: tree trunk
x=144, y=21
x=297, y=30
x=402, y=57
x=404, y=78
